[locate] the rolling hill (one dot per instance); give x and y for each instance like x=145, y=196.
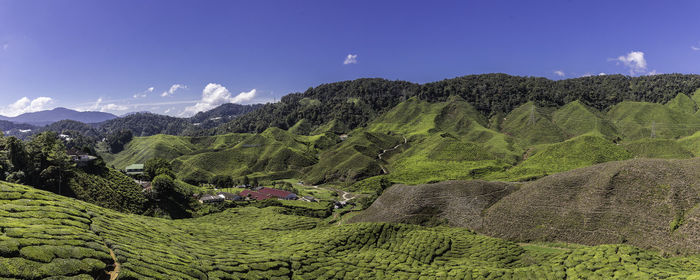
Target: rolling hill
x=649, y=203
x=66, y=238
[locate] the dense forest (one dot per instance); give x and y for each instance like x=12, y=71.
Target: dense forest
x=493, y=93
x=354, y=102
x=357, y=102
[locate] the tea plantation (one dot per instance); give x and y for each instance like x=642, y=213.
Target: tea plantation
x=45, y=236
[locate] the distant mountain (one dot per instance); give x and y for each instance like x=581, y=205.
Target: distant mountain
x=41, y=118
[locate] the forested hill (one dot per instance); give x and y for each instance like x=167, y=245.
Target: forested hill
x=354, y=103
x=493, y=93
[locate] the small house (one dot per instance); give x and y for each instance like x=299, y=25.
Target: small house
x=230, y=196
x=134, y=169
x=208, y=198
x=79, y=157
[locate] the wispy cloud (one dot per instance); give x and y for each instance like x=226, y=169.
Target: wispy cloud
x=26, y=105
x=695, y=48
x=172, y=90
x=350, y=59
x=559, y=73
x=144, y=93
x=5, y=46
x=99, y=106
x=214, y=95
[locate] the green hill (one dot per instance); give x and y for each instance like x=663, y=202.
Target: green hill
x=353, y=158
x=574, y=153
x=445, y=140
x=577, y=119
x=412, y=117
x=683, y=103
x=657, y=148
x=691, y=143
x=636, y=120
x=443, y=157
x=141, y=149
x=531, y=125
x=274, y=152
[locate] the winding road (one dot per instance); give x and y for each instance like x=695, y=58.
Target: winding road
x=379, y=156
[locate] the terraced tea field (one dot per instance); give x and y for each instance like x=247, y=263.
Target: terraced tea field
x=49, y=236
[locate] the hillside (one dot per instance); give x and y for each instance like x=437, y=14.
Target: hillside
x=637, y=120
x=453, y=203
x=574, y=153
x=358, y=102
x=141, y=149
x=77, y=240
x=649, y=203
x=274, y=153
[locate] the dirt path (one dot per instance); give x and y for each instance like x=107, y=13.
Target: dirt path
x=379, y=156
x=115, y=272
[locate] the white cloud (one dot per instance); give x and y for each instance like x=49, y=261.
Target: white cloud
x=113, y=107
x=350, y=59
x=635, y=61
x=172, y=89
x=5, y=46
x=694, y=48
x=559, y=73
x=214, y=95
x=601, y=74
x=26, y=105
x=98, y=106
x=144, y=93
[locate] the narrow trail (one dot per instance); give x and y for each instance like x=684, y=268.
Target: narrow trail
x=379, y=156
x=115, y=272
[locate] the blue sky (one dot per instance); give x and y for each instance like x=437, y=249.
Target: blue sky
x=122, y=56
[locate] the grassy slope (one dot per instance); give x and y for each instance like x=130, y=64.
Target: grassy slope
x=657, y=148
x=141, y=149
x=272, y=151
x=635, y=120
x=532, y=125
x=577, y=119
x=683, y=103
x=574, y=153
x=112, y=190
x=448, y=140
x=169, y=147
x=252, y=243
x=353, y=158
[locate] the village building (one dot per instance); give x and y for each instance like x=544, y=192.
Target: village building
x=79, y=157
x=134, y=169
x=208, y=198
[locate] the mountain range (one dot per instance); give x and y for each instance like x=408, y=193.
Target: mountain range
x=41, y=118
